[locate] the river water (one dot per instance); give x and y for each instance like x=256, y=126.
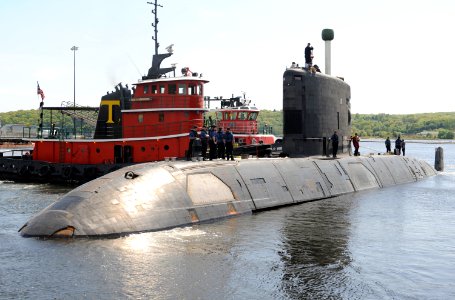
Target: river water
x=392, y=243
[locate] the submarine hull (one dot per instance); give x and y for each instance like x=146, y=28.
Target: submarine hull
x=156, y=196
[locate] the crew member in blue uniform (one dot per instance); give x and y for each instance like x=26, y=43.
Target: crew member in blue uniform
x=229, y=144
x=204, y=138
x=220, y=143
x=212, y=142
x=192, y=136
x=334, y=140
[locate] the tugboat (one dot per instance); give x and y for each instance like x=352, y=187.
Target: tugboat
x=148, y=123
x=240, y=116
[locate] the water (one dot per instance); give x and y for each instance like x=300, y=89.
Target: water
x=392, y=243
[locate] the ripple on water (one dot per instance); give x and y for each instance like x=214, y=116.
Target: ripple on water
x=393, y=243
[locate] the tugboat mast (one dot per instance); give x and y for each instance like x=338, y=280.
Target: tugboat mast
x=155, y=25
x=156, y=71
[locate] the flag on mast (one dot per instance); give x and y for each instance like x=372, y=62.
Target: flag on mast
x=39, y=91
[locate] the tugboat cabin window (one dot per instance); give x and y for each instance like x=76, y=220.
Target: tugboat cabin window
x=253, y=116
x=219, y=115
x=200, y=89
x=192, y=89
x=162, y=89
x=140, y=118
x=172, y=89
x=154, y=89
x=146, y=89
x=233, y=115
x=242, y=115
x=161, y=117
x=182, y=89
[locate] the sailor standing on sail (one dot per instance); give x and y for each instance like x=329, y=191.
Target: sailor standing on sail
x=308, y=56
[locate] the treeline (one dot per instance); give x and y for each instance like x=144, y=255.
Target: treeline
x=24, y=117
x=419, y=126
x=427, y=126
x=273, y=119
x=32, y=118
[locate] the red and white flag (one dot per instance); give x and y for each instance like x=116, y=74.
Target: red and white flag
x=39, y=91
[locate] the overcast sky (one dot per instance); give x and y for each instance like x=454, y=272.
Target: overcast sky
x=397, y=56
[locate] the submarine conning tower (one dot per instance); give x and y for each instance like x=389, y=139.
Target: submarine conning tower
x=314, y=106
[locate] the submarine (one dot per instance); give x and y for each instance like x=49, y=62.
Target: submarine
x=162, y=195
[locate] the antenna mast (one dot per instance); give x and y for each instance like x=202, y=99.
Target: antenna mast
x=155, y=25
x=156, y=71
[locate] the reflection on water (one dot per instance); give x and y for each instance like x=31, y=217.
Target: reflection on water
x=315, y=251
x=392, y=243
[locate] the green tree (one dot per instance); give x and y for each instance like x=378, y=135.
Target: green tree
x=445, y=134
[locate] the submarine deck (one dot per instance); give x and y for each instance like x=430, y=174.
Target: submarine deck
x=157, y=196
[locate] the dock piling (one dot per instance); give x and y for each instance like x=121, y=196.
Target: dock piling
x=439, y=159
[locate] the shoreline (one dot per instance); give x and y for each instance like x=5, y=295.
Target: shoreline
x=413, y=141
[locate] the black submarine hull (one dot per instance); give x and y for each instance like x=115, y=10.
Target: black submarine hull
x=314, y=106
x=156, y=196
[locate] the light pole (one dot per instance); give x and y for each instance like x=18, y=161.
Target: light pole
x=74, y=48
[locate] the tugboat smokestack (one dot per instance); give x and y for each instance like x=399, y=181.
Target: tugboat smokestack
x=327, y=36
